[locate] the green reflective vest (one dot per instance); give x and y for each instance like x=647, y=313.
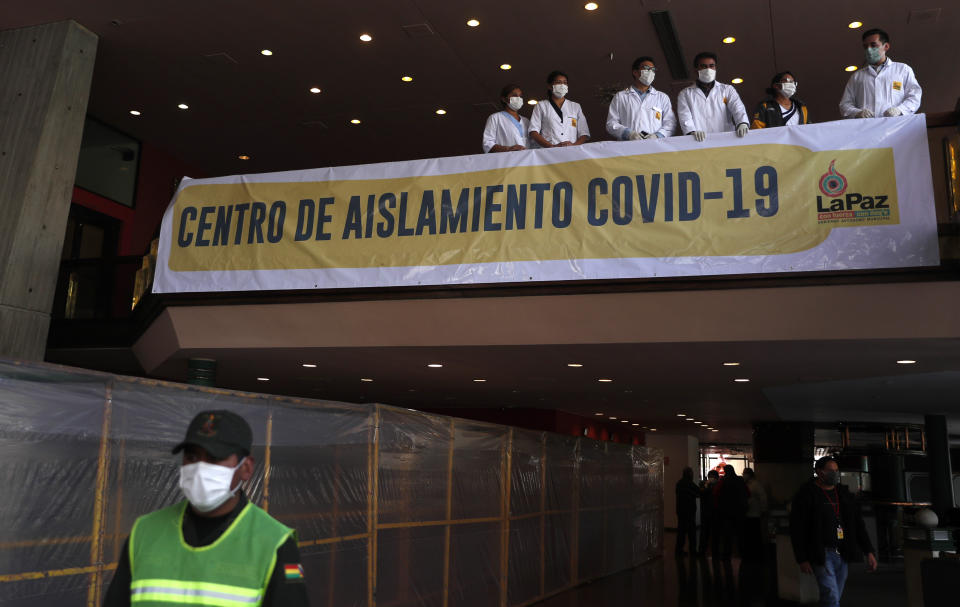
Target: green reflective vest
x=233, y=571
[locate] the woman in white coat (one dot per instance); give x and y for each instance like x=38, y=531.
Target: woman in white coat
x=557, y=121
x=506, y=131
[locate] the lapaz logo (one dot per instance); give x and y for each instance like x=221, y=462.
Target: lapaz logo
x=832, y=183
x=839, y=206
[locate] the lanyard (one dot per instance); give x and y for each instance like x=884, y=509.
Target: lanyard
x=835, y=506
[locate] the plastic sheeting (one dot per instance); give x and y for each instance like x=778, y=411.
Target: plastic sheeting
x=391, y=506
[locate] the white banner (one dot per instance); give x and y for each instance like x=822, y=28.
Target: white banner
x=852, y=194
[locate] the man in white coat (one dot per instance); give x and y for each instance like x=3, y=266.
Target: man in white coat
x=641, y=111
x=882, y=87
x=556, y=121
x=708, y=106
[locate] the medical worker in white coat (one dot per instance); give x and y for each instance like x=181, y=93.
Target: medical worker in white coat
x=641, y=111
x=507, y=131
x=557, y=121
x=882, y=87
x=709, y=106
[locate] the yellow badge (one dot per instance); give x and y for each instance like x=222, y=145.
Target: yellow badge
x=724, y=99
x=897, y=86
x=658, y=115
x=573, y=122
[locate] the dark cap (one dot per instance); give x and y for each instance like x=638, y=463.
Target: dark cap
x=219, y=433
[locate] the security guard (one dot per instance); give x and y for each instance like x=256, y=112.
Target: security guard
x=641, y=111
x=556, y=121
x=215, y=547
x=708, y=106
x=882, y=87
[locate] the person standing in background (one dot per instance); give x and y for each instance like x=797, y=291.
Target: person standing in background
x=687, y=493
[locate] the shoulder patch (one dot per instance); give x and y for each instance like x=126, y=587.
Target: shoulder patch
x=293, y=573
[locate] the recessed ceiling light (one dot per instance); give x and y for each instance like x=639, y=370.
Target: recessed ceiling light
x=366, y=379
x=263, y=379
x=366, y=37
x=591, y=6
x=611, y=417
x=505, y=66
x=309, y=365
x=574, y=365
x=441, y=112
x=407, y=78
x=479, y=379
x=681, y=414
x=741, y=380
x=731, y=364
x=689, y=419
x=605, y=380
x=906, y=361
x=473, y=23
x=850, y=68
x=243, y=157
x=714, y=430
x=598, y=413
x=653, y=429
x=183, y=106
x=135, y=112
x=729, y=40
x=531, y=102
x=854, y=25
x=737, y=80
x=355, y=121
x=434, y=365
x=266, y=52
x=315, y=90
x=624, y=421
x=634, y=424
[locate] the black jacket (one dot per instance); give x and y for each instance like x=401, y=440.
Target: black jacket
x=807, y=532
x=767, y=114
x=687, y=492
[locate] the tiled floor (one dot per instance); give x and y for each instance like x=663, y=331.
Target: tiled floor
x=670, y=582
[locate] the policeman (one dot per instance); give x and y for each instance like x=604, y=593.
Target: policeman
x=883, y=87
x=557, y=121
x=641, y=111
x=215, y=547
x=709, y=106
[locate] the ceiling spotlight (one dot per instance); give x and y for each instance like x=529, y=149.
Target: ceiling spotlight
x=624, y=421
x=681, y=414
x=689, y=419
x=366, y=37
x=611, y=417
x=741, y=380
x=574, y=365
x=309, y=365
x=135, y=112
x=729, y=40
x=854, y=25
x=366, y=379
x=605, y=380
x=479, y=380
x=531, y=102
x=183, y=106
x=737, y=80
x=441, y=112
x=906, y=362
x=653, y=429
x=473, y=23
x=315, y=90
x=731, y=364
x=266, y=52
x=635, y=424
x=591, y=6
x=243, y=157
x=407, y=78
x=850, y=68
x=598, y=413
x=355, y=121
x=434, y=365
x=505, y=66
x=263, y=379
x=714, y=430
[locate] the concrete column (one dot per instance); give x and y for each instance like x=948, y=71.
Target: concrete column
x=941, y=472
x=45, y=74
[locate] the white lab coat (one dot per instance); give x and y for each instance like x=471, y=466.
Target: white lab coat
x=721, y=111
x=894, y=86
x=546, y=122
x=629, y=114
x=502, y=129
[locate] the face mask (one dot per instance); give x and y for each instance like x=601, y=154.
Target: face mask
x=831, y=477
x=788, y=88
x=515, y=103
x=560, y=90
x=873, y=54
x=646, y=77
x=207, y=486
x=707, y=76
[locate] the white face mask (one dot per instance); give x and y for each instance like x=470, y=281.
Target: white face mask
x=207, y=486
x=707, y=76
x=560, y=90
x=788, y=88
x=515, y=103
x=646, y=77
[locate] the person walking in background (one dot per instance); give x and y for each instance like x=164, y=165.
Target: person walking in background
x=687, y=493
x=753, y=523
x=708, y=510
x=732, y=496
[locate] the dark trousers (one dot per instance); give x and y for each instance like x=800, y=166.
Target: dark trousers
x=708, y=535
x=752, y=538
x=731, y=533
x=686, y=529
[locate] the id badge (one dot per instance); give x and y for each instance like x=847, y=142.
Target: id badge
x=839, y=532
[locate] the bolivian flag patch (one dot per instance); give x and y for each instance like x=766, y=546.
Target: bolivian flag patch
x=293, y=572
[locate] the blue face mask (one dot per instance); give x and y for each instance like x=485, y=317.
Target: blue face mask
x=873, y=55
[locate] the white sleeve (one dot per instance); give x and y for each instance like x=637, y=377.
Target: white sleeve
x=490, y=133
x=736, y=109
x=535, y=119
x=685, y=113
x=911, y=92
x=615, y=127
x=669, y=124
x=582, y=128
x=848, y=103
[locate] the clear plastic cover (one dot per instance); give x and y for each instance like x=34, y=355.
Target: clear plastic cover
x=391, y=506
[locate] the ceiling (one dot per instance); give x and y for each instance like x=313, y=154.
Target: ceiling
x=154, y=56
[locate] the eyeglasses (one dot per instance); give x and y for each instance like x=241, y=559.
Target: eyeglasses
x=646, y=68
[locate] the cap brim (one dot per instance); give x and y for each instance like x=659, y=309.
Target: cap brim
x=215, y=449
